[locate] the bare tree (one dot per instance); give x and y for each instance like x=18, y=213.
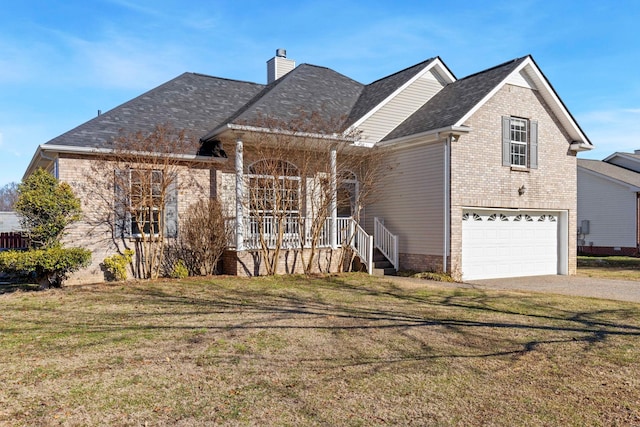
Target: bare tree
x=292, y=185
x=8, y=196
x=140, y=201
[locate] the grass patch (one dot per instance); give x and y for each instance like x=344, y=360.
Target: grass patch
x=427, y=275
x=609, y=267
x=618, y=262
x=336, y=350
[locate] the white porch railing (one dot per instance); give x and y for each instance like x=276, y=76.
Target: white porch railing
x=386, y=242
x=266, y=229
x=363, y=245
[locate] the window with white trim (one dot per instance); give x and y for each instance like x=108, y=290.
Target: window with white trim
x=519, y=130
x=274, y=196
x=347, y=196
x=519, y=142
x=145, y=202
x=274, y=188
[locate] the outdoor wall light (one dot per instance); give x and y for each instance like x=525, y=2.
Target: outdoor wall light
x=521, y=190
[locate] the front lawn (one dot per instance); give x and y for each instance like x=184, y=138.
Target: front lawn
x=609, y=267
x=343, y=350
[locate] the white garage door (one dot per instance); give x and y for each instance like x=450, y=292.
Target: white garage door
x=508, y=244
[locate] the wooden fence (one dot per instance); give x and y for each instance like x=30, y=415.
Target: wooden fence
x=13, y=241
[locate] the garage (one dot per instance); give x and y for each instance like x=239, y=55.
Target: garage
x=511, y=243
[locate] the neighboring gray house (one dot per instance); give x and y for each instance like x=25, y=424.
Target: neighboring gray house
x=608, y=205
x=483, y=168
x=9, y=222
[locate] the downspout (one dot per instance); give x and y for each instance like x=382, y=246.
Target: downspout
x=446, y=203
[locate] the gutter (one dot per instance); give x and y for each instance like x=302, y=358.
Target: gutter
x=434, y=134
x=580, y=146
x=94, y=151
x=256, y=129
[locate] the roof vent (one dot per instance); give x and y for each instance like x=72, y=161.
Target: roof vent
x=279, y=65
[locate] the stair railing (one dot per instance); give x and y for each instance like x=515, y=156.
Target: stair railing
x=385, y=242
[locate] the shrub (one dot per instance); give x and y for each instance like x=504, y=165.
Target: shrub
x=116, y=265
x=180, y=270
x=48, y=267
x=202, y=240
x=47, y=207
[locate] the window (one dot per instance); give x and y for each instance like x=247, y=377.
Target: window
x=274, y=188
x=145, y=200
x=347, y=196
x=519, y=142
x=274, y=197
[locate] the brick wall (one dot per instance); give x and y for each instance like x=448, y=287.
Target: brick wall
x=250, y=263
x=608, y=250
x=92, y=181
x=478, y=178
x=420, y=262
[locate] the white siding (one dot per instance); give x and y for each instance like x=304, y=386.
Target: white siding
x=399, y=108
x=610, y=208
x=412, y=206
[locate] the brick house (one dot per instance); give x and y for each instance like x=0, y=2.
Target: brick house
x=482, y=170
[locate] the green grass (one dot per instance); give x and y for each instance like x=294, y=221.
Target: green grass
x=339, y=350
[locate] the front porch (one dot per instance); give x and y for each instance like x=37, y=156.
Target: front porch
x=297, y=237
x=290, y=207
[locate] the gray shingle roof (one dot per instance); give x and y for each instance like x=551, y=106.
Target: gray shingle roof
x=376, y=92
x=454, y=101
x=612, y=171
x=307, y=88
x=203, y=104
x=191, y=101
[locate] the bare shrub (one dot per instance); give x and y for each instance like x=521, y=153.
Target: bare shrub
x=202, y=240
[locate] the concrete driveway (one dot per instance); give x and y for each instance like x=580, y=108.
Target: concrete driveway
x=621, y=290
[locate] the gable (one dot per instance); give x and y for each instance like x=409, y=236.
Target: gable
x=520, y=78
x=388, y=102
x=402, y=105
x=457, y=102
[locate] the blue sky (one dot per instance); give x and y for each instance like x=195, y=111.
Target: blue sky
x=61, y=62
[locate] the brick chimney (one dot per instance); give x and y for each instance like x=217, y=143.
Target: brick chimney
x=279, y=65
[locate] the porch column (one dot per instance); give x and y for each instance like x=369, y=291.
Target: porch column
x=239, y=195
x=333, y=207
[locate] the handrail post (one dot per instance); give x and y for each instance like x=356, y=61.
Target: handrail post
x=370, y=256
x=396, y=253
